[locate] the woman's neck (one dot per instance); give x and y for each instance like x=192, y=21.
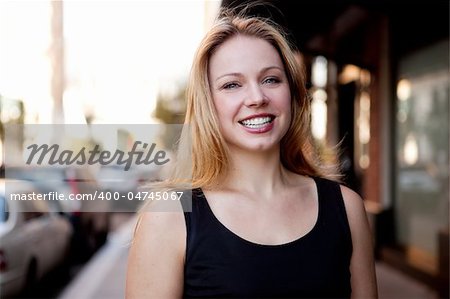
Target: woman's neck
x=256, y=172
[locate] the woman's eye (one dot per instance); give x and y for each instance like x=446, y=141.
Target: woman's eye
x=271, y=80
x=231, y=85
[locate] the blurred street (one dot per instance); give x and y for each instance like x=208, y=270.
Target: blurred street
x=104, y=276
x=63, y=277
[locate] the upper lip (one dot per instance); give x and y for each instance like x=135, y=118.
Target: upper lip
x=258, y=115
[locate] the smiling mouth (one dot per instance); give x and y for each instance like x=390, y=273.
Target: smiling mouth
x=257, y=122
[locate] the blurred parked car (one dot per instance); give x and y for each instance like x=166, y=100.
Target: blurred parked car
x=31, y=243
x=90, y=218
x=124, y=184
x=114, y=178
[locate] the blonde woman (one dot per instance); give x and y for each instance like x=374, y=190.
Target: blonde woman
x=267, y=219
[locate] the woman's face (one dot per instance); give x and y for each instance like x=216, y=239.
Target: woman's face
x=251, y=93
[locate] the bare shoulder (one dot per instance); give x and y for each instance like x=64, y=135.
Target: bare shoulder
x=156, y=257
x=160, y=215
x=356, y=215
x=354, y=204
x=362, y=267
x=159, y=221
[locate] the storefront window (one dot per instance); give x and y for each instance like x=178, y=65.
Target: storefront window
x=422, y=154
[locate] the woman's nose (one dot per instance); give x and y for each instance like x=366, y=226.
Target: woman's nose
x=255, y=96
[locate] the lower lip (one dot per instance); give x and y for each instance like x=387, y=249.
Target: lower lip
x=260, y=130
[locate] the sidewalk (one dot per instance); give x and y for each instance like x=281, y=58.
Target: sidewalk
x=104, y=276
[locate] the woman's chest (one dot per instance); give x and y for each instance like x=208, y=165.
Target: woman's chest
x=274, y=222
x=229, y=267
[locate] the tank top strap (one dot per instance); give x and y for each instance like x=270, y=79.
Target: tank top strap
x=332, y=204
x=196, y=215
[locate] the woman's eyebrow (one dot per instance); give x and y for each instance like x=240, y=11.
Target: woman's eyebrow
x=272, y=67
x=265, y=69
x=228, y=74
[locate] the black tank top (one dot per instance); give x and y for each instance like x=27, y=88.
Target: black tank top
x=219, y=263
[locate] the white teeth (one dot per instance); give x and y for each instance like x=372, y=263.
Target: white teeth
x=256, y=122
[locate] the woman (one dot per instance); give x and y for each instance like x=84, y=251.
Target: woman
x=266, y=219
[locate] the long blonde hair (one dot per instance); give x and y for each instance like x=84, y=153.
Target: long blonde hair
x=202, y=153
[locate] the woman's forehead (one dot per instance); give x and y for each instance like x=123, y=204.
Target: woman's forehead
x=243, y=53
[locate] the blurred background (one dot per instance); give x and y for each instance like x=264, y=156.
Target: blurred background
x=377, y=71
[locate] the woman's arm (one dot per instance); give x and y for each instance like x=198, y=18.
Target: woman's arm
x=156, y=257
x=362, y=264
